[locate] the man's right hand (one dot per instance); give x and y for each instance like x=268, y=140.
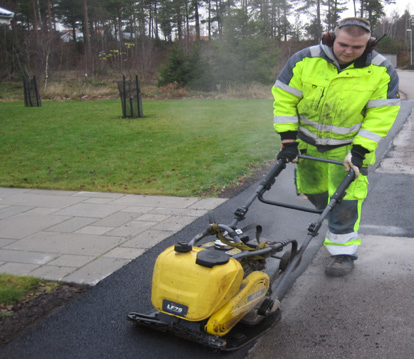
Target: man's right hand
x=289, y=152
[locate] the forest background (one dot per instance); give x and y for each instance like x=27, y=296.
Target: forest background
x=174, y=46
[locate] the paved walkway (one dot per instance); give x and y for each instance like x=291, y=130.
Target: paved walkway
x=82, y=237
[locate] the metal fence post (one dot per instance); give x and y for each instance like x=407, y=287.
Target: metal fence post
x=31, y=92
x=130, y=94
x=139, y=100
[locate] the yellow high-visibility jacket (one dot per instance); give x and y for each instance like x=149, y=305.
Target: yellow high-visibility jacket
x=333, y=107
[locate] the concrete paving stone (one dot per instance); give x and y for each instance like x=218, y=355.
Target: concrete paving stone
x=9, y=211
x=99, y=194
x=53, y=273
x=137, y=209
x=131, y=229
x=151, y=217
x=191, y=212
x=10, y=192
x=155, y=201
x=94, y=230
x=208, y=203
x=42, y=210
x=24, y=225
x=46, y=200
x=6, y=242
x=147, y=239
x=97, y=200
x=18, y=268
x=95, y=271
x=89, y=210
x=174, y=223
x=67, y=243
x=125, y=253
x=51, y=192
x=116, y=219
x=68, y=260
x=71, y=225
x=25, y=257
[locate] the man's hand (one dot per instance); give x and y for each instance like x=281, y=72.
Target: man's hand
x=354, y=159
x=289, y=152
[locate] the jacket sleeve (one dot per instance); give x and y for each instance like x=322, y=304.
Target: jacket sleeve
x=383, y=107
x=287, y=92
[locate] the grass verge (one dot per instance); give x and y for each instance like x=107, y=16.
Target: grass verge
x=14, y=289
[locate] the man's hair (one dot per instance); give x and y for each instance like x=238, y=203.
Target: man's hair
x=354, y=26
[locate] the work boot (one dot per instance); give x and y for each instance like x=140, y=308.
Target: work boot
x=340, y=265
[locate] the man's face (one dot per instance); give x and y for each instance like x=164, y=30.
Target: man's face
x=348, y=48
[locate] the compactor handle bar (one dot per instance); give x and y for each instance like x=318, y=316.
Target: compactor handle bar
x=267, y=183
x=327, y=160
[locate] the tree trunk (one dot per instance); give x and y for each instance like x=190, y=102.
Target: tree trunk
x=318, y=19
x=35, y=22
x=197, y=20
x=179, y=22
x=49, y=15
x=74, y=31
x=87, y=38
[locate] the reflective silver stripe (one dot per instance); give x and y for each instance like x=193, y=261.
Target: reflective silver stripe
x=383, y=103
x=323, y=141
x=315, y=50
x=341, y=130
x=342, y=239
x=285, y=119
x=330, y=128
x=370, y=135
x=378, y=59
x=287, y=88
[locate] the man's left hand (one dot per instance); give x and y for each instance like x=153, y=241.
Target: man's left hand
x=354, y=159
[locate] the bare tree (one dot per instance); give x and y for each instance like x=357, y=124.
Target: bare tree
x=87, y=39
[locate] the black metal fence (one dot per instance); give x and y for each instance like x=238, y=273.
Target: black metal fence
x=130, y=94
x=31, y=93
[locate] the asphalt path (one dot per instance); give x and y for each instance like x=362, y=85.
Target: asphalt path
x=95, y=325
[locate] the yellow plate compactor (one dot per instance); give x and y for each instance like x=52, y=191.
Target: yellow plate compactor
x=225, y=292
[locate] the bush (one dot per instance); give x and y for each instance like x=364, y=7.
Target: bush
x=176, y=70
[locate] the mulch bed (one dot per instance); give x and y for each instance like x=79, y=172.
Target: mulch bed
x=27, y=314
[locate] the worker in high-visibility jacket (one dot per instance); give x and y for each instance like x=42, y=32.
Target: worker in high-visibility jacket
x=336, y=100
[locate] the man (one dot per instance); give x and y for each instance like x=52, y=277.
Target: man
x=336, y=100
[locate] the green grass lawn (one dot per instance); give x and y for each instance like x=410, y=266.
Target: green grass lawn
x=180, y=147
